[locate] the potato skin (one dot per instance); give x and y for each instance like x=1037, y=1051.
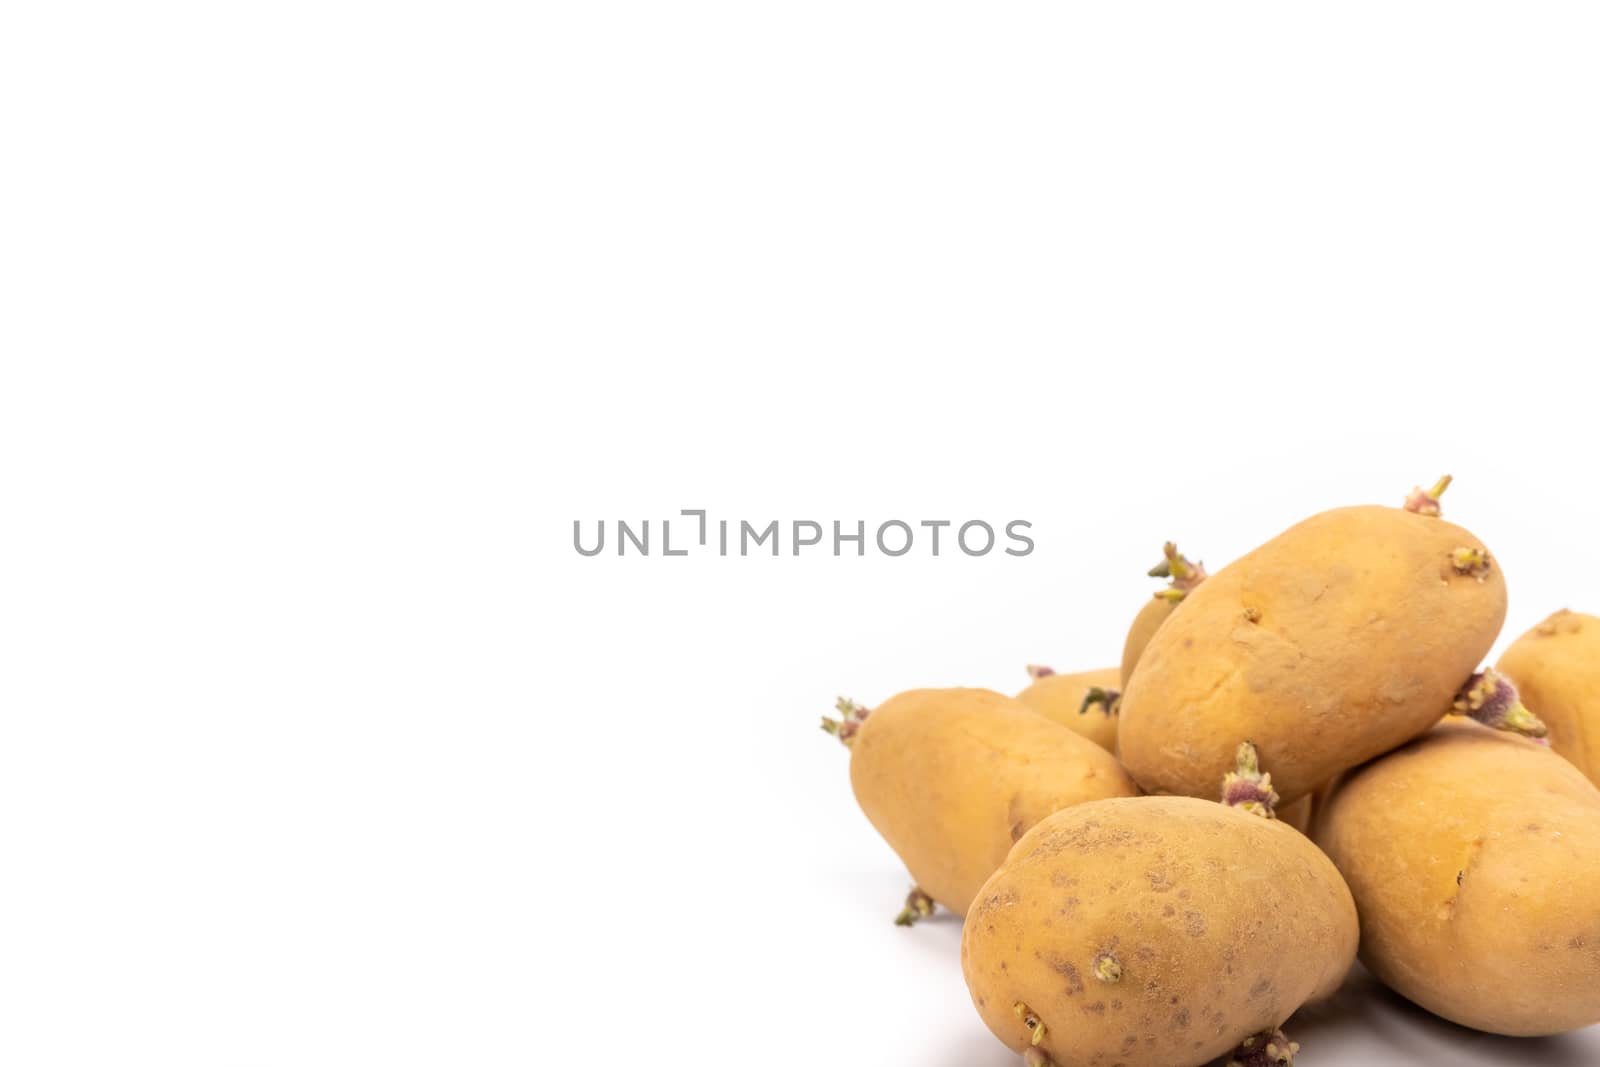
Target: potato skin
x=1221, y=923
x=1145, y=625
x=1474, y=858
x=1556, y=668
x=1336, y=641
x=1059, y=698
x=1298, y=814
x=953, y=777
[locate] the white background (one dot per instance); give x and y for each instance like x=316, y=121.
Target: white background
x=321, y=323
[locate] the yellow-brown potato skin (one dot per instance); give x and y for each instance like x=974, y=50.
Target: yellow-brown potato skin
x=1556, y=669
x=953, y=777
x=1059, y=698
x=1145, y=625
x=1336, y=641
x=1298, y=814
x=1474, y=858
x=1222, y=924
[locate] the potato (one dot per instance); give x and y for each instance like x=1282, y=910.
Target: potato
x=1085, y=702
x=1556, y=667
x=1154, y=932
x=1334, y=642
x=1298, y=814
x=1185, y=576
x=1145, y=624
x=953, y=777
x=1474, y=858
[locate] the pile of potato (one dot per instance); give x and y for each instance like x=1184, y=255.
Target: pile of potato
x=1301, y=757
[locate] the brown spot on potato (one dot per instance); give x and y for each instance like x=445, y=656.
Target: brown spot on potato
x=1181, y=1020
x=1447, y=909
x=1070, y=973
x=1194, y=923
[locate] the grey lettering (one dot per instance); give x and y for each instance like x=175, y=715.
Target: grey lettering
x=745, y=530
x=800, y=542
x=1011, y=532
x=884, y=548
x=702, y=515
x=961, y=537
x=666, y=540
x=623, y=531
x=893, y=537
x=859, y=537
x=577, y=542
